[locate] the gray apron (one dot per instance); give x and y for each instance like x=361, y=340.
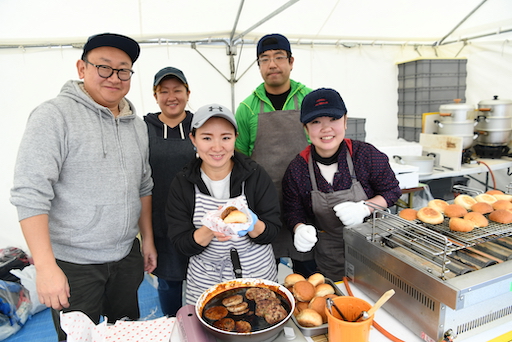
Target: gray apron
x=280, y=137
x=330, y=248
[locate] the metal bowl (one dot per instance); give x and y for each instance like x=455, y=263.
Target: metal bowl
x=264, y=335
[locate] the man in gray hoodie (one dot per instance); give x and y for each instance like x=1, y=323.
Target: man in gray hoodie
x=82, y=188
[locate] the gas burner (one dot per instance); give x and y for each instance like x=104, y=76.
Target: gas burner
x=493, y=152
x=467, y=156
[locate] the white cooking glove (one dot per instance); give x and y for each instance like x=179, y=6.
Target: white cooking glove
x=351, y=213
x=305, y=237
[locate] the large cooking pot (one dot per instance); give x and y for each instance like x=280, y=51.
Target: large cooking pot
x=456, y=111
x=425, y=163
x=464, y=129
x=484, y=122
x=493, y=137
x=455, y=127
x=264, y=335
x=496, y=107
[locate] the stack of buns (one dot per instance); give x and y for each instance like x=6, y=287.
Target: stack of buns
x=310, y=298
x=466, y=212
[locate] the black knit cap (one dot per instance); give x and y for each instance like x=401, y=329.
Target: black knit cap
x=126, y=44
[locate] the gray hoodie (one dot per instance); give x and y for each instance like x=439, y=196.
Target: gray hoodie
x=87, y=170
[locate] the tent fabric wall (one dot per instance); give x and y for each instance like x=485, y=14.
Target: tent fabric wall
x=365, y=75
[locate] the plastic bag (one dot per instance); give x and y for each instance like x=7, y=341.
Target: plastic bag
x=14, y=308
x=12, y=258
x=28, y=280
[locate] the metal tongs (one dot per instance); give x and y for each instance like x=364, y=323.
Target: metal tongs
x=330, y=304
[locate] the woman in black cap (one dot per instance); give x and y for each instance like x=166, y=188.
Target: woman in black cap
x=170, y=149
x=326, y=187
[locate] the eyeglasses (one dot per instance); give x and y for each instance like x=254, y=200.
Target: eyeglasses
x=277, y=60
x=105, y=71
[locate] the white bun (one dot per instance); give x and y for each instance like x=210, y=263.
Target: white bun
x=430, y=215
x=465, y=201
x=485, y=198
x=438, y=205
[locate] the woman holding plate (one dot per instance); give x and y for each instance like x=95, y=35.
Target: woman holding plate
x=218, y=176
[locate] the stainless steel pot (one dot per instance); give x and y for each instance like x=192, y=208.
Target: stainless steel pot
x=264, y=335
x=484, y=122
x=456, y=111
x=493, y=137
x=496, y=107
x=424, y=163
x=464, y=129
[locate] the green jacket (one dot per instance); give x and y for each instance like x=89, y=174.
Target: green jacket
x=247, y=113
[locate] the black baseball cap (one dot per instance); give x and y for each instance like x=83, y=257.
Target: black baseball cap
x=170, y=71
x=126, y=44
x=273, y=41
x=322, y=102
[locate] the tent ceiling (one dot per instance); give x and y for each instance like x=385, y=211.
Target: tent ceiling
x=61, y=22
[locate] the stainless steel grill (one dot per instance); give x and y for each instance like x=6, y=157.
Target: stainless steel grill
x=444, y=281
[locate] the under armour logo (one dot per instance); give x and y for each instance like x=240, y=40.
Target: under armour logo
x=320, y=102
x=212, y=108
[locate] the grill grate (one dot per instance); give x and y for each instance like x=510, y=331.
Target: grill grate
x=434, y=243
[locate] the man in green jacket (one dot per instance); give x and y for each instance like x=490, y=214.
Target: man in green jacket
x=270, y=131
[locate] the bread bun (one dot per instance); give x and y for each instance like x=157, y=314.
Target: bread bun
x=478, y=219
x=408, y=214
x=485, y=198
x=292, y=278
x=233, y=215
x=303, y=291
x=460, y=225
x=465, y=201
x=501, y=216
x=332, y=296
x=309, y=318
x=502, y=204
x=482, y=208
x=430, y=215
x=299, y=306
x=318, y=304
x=494, y=192
x=506, y=197
x=323, y=290
x=316, y=279
x=438, y=204
x=455, y=210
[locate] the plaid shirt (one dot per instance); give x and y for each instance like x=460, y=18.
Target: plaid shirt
x=370, y=166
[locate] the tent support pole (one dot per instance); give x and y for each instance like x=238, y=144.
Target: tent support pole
x=462, y=22
x=268, y=17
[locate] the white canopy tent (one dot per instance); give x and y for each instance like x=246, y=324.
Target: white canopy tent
x=352, y=46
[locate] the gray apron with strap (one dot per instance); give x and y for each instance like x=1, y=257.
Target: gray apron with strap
x=280, y=137
x=330, y=248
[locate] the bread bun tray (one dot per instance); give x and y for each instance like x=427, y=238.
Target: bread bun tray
x=321, y=329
